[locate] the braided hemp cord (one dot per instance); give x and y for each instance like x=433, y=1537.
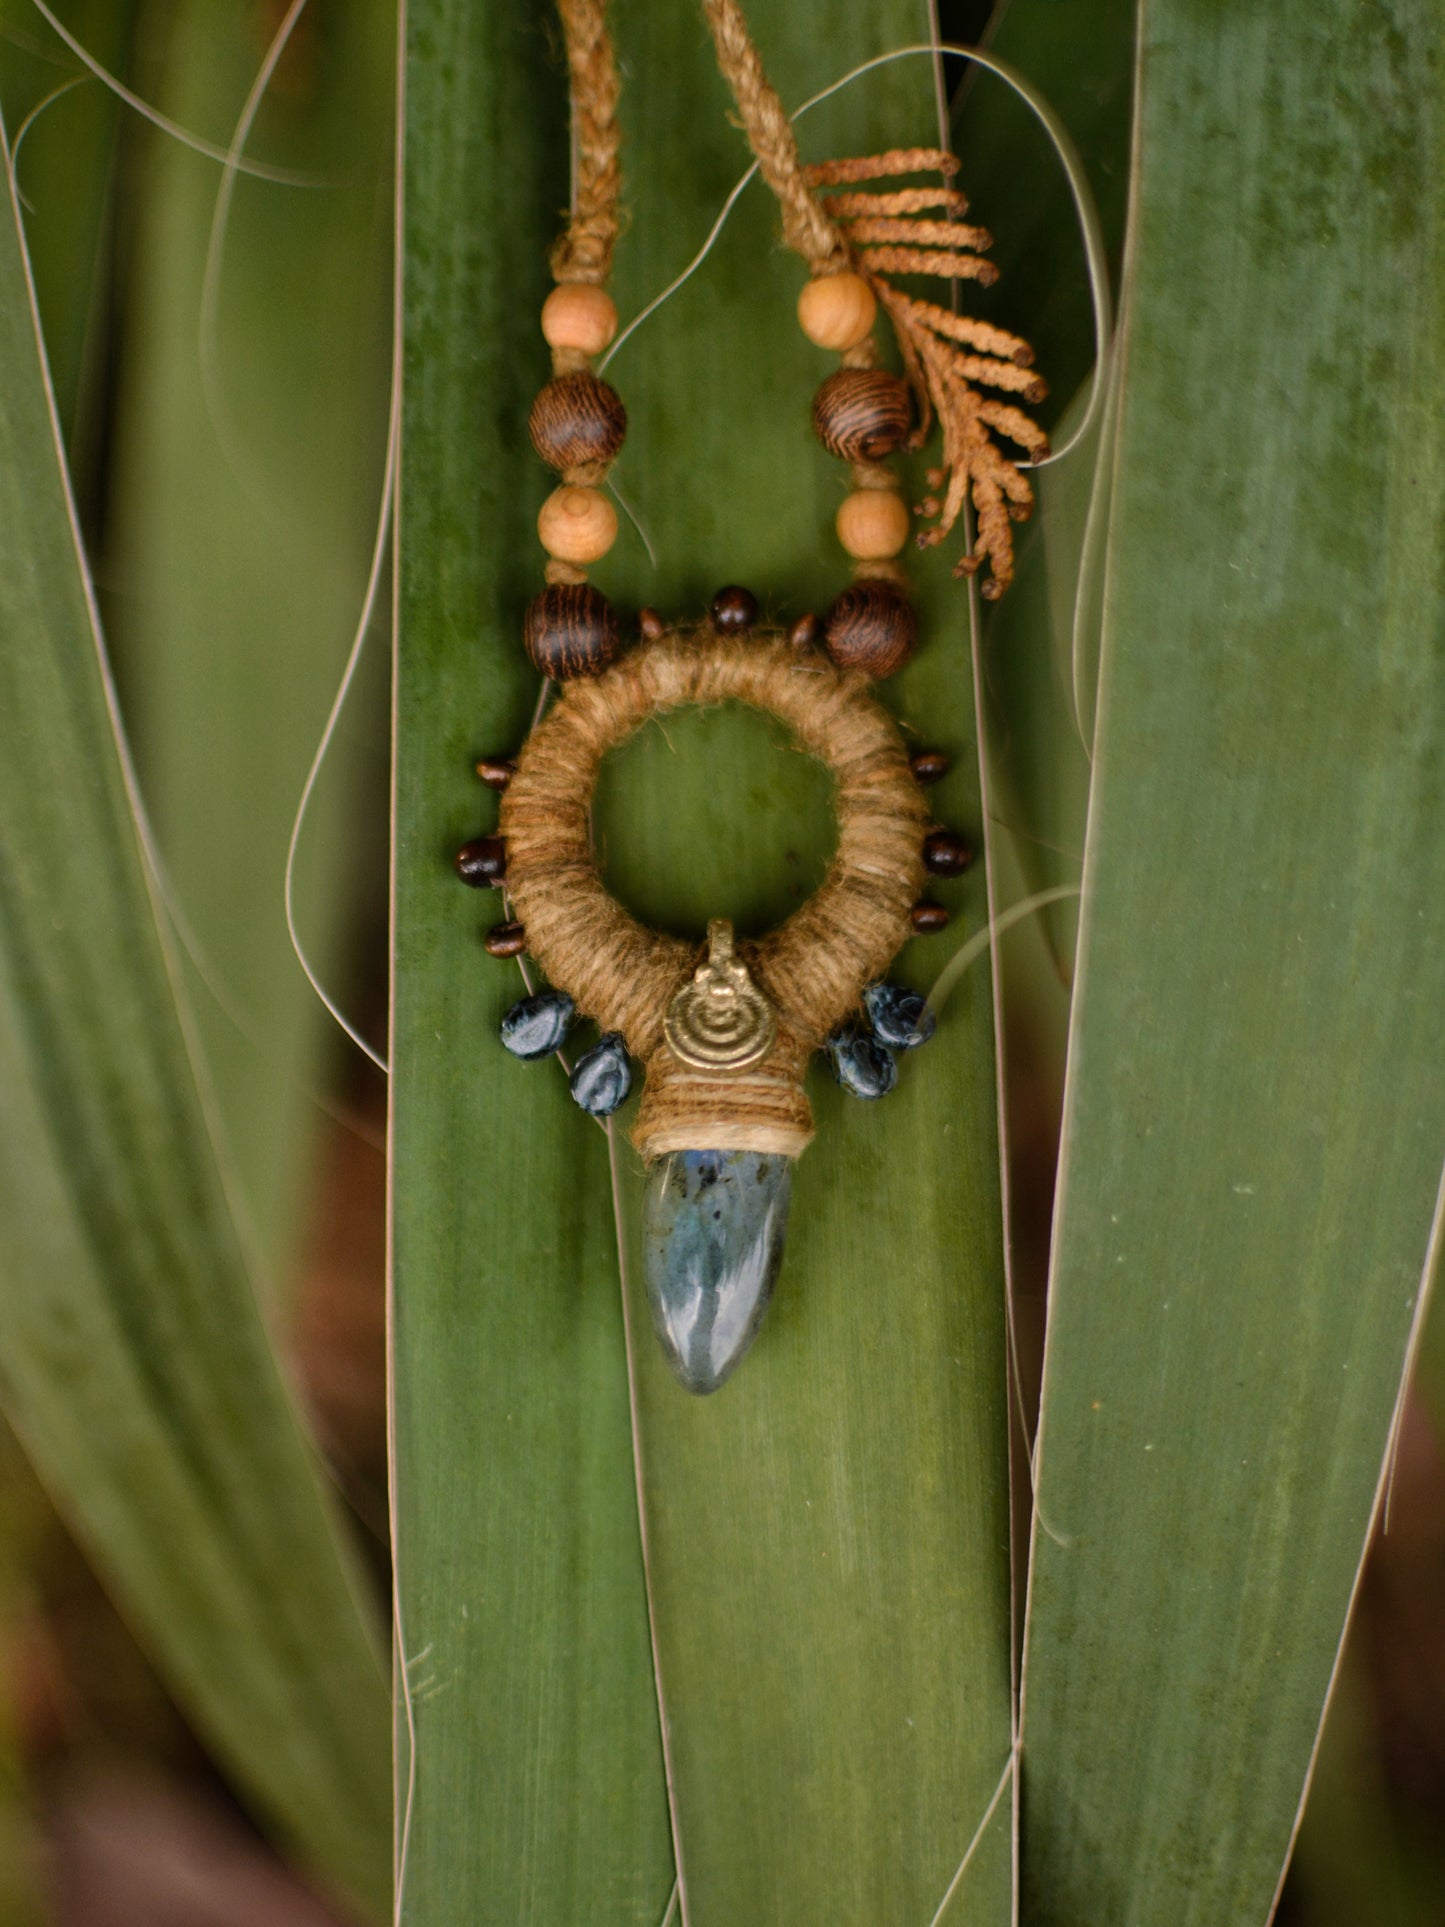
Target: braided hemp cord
x=806, y=227
x=584, y=252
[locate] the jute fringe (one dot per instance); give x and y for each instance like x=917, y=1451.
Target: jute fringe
x=584, y=253
x=812, y=968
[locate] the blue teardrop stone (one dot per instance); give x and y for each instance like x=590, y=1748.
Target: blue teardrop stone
x=860, y=1063
x=712, y=1232
x=536, y=1026
x=900, y=1017
x=603, y=1076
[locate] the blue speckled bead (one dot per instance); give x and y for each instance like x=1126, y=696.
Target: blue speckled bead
x=860, y=1063
x=536, y=1026
x=603, y=1076
x=712, y=1242
x=900, y=1017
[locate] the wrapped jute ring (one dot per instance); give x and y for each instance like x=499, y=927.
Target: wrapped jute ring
x=811, y=969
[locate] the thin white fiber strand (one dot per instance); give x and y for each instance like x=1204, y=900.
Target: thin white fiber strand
x=406, y=1774
x=221, y=215
x=982, y=1828
x=348, y=675
x=65, y=87
x=967, y=953
x=620, y=1226
x=283, y=176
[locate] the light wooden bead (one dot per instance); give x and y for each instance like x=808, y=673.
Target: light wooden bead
x=836, y=310
x=578, y=315
x=577, y=524
x=873, y=524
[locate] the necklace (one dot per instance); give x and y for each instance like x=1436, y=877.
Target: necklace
x=725, y=1031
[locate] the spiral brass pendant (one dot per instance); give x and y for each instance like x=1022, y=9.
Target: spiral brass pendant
x=720, y=1021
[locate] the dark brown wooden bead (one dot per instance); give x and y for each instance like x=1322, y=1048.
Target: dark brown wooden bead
x=871, y=627
x=862, y=414
x=734, y=610
x=496, y=771
x=651, y=624
x=927, y=917
x=929, y=766
x=506, y=940
x=946, y=854
x=577, y=420
x=570, y=630
x=805, y=632
x=482, y=862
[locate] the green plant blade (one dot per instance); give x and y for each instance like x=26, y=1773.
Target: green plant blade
x=136, y=1369
x=828, y=1535
x=1254, y=1119
x=247, y=480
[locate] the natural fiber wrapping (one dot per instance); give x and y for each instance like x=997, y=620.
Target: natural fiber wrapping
x=812, y=968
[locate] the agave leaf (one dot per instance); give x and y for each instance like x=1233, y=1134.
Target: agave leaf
x=136, y=1369
x=247, y=481
x=1254, y=1121
x=828, y=1534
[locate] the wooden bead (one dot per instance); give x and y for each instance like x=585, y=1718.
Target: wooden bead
x=929, y=766
x=577, y=420
x=862, y=414
x=506, y=940
x=873, y=524
x=578, y=315
x=570, y=630
x=927, y=917
x=496, y=771
x=946, y=854
x=734, y=610
x=577, y=524
x=805, y=632
x=836, y=310
x=482, y=862
x=651, y=624
x=870, y=627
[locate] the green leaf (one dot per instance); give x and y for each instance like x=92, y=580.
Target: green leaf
x=136, y=1370
x=248, y=457
x=827, y=1535
x=1254, y=1119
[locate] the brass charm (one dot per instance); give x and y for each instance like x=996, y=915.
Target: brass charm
x=720, y=1021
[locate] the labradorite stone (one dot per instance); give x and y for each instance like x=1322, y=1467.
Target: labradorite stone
x=900, y=1017
x=535, y=1027
x=712, y=1232
x=860, y=1063
x=603, y=1076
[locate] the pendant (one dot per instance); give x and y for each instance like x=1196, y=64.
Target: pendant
x=724, y=1038
x=712, y=1241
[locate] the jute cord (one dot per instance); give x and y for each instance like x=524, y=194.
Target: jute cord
x=812, y=968
x=807, y=228
x=584, y=252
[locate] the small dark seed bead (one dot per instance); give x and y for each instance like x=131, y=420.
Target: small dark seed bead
x=929, y=766
x=871, y=627
x=577, y=420
x=946, y=854
x=506, y=940
x=734, y=610
x=482, y=862
x=570, y=630
x=805, y=632
x=862, y=414
x=496, y=771
x=651, y=624
x=927, y=917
